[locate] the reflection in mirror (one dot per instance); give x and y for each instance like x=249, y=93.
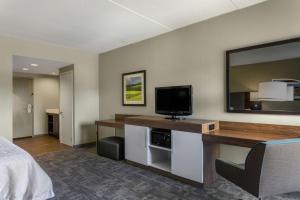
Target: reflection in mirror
x=265, y=78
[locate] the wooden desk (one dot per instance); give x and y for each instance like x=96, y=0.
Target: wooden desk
x=118, y=122
x=231, y=133
x=113, y=123
x=243, y=135
x=188, y=125
x=249, y=134
x=244, y=138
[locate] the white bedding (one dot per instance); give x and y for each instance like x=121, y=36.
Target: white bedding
x=21, y=177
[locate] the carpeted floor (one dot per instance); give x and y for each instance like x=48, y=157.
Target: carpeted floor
x=81, y=175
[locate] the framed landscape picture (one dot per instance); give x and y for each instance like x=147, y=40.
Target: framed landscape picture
x=134, y=88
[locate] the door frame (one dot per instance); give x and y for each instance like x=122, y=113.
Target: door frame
x=68, y=69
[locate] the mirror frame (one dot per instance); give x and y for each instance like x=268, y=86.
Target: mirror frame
x=228, y=52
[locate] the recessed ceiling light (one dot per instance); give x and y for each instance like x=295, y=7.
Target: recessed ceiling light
x=34, y=65
x=53, y=73
x=25, y=69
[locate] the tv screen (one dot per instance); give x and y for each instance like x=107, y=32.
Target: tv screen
x=176, y=100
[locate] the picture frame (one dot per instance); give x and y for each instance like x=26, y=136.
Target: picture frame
x=134, y=88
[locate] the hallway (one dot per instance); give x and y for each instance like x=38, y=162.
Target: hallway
x=40, y=145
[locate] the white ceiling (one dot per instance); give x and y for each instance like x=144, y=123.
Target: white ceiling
x=45, y=67
x=102, y=25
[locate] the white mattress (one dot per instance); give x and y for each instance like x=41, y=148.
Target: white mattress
x=21, y=177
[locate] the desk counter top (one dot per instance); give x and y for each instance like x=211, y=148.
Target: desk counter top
x=244, y=138
x=188, y=125
x=232, y=133
x=113, y=123
x=248, y=134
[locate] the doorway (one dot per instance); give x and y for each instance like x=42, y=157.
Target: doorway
x=22, y=107
x=43, y=91
x=66, y=107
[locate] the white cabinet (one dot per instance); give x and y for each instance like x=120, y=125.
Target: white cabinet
x=187, y=155
x=136, y=144
x=184, y=159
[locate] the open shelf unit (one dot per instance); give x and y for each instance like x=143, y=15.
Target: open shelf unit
x=160, y=158
x=53, y=124
x=158, y=147
x=162, y=165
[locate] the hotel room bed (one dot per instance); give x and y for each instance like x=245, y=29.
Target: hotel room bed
x=21, y=177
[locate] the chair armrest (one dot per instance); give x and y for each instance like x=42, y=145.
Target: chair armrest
x=231, y=171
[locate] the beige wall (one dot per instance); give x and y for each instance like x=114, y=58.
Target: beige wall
x=195, y=55
x=46, y=96
x=86, y=82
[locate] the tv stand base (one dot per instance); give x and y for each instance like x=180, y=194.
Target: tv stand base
x=173, y=117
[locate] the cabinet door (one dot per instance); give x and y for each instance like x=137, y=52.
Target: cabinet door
x=136, y=144
x=187, y=155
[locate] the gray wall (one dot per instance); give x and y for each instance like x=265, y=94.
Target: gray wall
x=195, y=55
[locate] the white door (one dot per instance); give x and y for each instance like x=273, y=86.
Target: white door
x=136, y=144
x=187, y=155
x=66, y=108
x=22, y=107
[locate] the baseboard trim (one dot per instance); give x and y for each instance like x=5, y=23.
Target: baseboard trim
x=90, y=144
x=20, y=138
x=39, y=135
x=34, y=136
x=166, y=174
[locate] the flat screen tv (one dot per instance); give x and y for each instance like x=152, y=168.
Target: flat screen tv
x=173, y=101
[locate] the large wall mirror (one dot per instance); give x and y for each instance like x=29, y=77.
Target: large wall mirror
x=264, y=78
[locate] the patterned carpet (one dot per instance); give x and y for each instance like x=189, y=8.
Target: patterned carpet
x=81, y=175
